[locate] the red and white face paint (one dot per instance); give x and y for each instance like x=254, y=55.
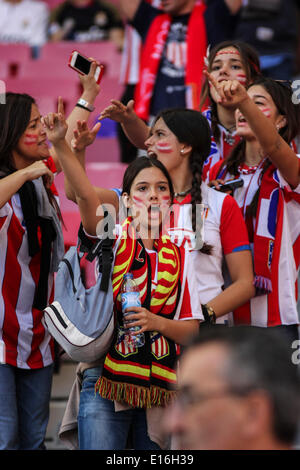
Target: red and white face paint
x=242, y=78
x=30, y=139
x=266, y=111
x=32, y=145
x=164, y=147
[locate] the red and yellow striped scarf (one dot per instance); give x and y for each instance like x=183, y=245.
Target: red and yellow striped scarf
x=143, y=377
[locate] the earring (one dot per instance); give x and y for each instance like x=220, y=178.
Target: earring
x=181, y=151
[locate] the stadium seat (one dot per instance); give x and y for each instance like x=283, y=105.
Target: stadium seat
x=103, y=150
x=46, y=68
x=46, y=89
x=104, y=51
x=15, y=53
x=4, y=70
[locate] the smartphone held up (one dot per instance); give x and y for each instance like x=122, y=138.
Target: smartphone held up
x=82, y=65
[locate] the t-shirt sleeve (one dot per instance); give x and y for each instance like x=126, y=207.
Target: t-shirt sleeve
x=233, y=231
x=190, y=308
x=143, y=18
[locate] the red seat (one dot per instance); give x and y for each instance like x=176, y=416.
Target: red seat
x=4, y=69
x=46, y=69
x=48, y=88
x=103, y=51
x=15, y=53
x=103, y=150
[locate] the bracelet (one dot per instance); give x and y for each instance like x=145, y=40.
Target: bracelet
x=80, y=106
x=81, y=103
x=209, y=314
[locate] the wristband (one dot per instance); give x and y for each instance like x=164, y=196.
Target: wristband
x=81, y=103
x=209, y=314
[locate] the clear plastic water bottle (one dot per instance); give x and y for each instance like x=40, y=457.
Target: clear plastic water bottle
x=130, y=296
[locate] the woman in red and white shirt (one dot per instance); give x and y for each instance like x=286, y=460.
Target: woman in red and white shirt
x=267, y=120
x=31, y=246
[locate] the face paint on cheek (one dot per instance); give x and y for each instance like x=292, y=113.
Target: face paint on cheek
x=266, y=112
x=164, y=147
x=30, y=139
x=241, y=77
x=165, y=201
x=137, y=201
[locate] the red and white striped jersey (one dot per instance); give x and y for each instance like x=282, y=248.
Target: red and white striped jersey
x=280, y=306
x=189, y=305
x=224, y=230
x=130, y=65
x=220, y=150
x=24, y=340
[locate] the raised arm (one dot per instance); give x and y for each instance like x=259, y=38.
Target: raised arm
x=234, y=5
x=129, y=8
x=272, y=144
x=86, y=197
x=135, y=128
x=90, y=92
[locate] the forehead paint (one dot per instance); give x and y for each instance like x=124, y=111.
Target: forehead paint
x=30, y=139
x=227, y=52
x=164, y=147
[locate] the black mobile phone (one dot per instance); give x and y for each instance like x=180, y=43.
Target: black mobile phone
x=82, y=64
x=230, y=185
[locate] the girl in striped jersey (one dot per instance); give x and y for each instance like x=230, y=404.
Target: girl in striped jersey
x=139, y=379
x=228, y=60
x=267, y=121
x=31, y=246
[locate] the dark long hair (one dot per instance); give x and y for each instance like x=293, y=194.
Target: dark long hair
x=281, y=95
x=191, y=128
x=14, y=119
x=250, y=61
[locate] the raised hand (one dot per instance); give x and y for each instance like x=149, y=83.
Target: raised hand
x=88, y=82
x=229, y=92
x=55, y=123
x=83, y=136
x=118, y=112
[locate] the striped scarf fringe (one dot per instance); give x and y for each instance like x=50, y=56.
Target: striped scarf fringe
x=137, y=397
